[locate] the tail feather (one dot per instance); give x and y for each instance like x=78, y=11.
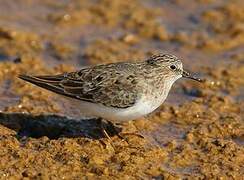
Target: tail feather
x=52, y=78
x=51, y=83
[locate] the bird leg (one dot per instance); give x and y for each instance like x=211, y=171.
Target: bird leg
x=121, y=134
x=103, y=128
x=116, y=130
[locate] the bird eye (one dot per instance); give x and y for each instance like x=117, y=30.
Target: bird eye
x=173, y=67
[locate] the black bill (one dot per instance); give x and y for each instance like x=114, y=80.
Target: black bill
x=188, y=75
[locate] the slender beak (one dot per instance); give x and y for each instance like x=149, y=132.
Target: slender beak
x=186, y=74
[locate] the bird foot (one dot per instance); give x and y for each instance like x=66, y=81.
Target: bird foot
x=133, y=134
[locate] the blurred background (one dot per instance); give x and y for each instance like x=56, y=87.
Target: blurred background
x=51, y=37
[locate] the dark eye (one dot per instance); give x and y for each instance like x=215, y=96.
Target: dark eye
x=173, y=67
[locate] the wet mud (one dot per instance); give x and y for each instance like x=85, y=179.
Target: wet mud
x=198, y=133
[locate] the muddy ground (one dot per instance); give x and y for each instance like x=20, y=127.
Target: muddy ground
x=198, y=133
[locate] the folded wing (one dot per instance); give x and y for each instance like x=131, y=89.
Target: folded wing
x=102, y=85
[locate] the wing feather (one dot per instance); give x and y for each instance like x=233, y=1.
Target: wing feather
x=103, y=84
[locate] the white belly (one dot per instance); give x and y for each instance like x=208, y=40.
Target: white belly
x=140, y=109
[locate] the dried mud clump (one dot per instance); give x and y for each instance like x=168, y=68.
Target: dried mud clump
x=208, y=143
x=32, y=99
x=134, y=16
x=102, y=51
x=226, y=24
x=13, y=42
x=199, y=137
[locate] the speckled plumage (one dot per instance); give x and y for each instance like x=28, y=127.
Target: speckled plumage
x=127, y=87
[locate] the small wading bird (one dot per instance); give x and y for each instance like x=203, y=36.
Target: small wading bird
x=117, y=92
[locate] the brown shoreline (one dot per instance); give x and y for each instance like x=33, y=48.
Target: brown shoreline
x=197, y=134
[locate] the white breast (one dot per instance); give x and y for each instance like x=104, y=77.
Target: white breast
x=142, y=107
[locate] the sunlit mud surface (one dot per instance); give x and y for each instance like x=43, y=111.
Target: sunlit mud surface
x=198, y=133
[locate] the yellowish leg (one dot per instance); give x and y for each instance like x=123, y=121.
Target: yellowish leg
x=135, y=134
x=103, y=129
x=120, y=134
